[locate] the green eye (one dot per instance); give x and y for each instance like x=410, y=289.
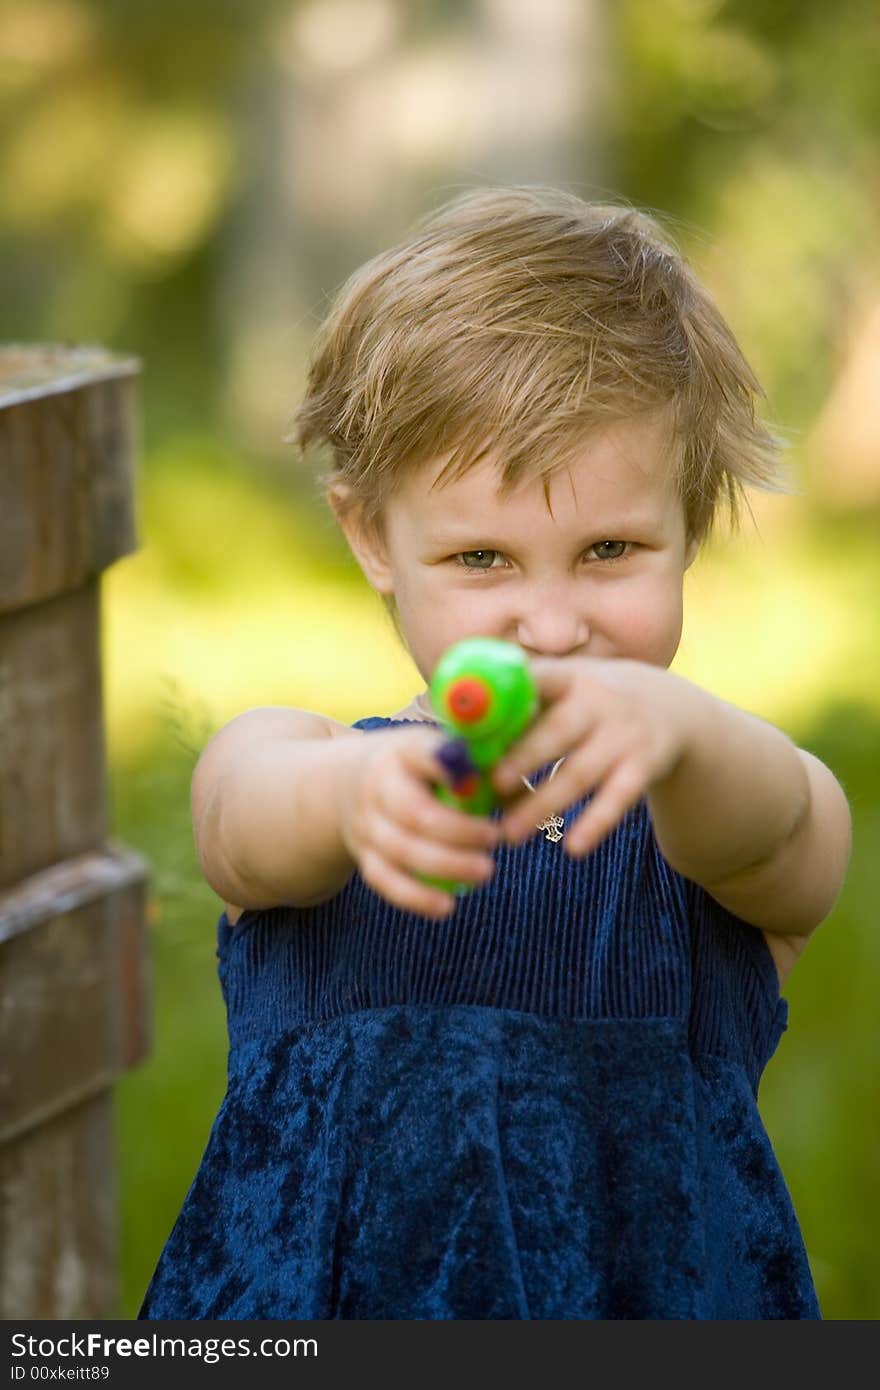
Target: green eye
x=622, y=544
x=462, y=559
x=464, y=554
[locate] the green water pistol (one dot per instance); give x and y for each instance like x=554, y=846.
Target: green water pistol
x=483, y=692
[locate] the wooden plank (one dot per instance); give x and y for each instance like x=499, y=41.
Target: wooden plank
x=58, y=1217
x=67, y=444
x=74, y=963
x=52, y=758
x=33, y=371
x=74, y=992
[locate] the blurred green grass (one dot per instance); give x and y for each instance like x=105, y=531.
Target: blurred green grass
x=242, y=594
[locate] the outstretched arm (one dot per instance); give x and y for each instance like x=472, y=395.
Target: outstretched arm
x=762, y=825
x=744, y=792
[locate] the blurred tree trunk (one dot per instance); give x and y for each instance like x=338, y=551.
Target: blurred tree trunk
x=371, y=119
x=844, y=444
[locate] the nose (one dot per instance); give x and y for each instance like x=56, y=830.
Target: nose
x=551, y=626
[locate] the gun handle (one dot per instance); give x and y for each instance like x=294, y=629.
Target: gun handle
x=471, y=791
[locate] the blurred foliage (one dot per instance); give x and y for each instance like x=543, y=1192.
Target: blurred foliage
x=129, y=155
x=756, y=125
x=122, y=155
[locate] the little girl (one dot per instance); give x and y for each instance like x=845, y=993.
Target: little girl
x=537, y=1099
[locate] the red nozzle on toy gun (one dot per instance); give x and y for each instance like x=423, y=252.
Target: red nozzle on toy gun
x=468, y=699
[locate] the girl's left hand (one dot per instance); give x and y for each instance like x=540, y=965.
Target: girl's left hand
x=621, y=725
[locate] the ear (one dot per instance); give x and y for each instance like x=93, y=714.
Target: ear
x=367, y=543
x=693, y=549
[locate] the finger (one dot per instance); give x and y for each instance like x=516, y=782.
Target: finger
x=553, y=736
x=416, y=752
x=578, y=775
x=555, y=675
x=436, y=756
x=401, y=889
x=582, y=772
x=573, y=694
x=552, y=676
x=530, y=806
x=416, y=853
x=404, y=800
x=619, y=792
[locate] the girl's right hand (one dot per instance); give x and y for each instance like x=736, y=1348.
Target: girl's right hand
x=393, y=826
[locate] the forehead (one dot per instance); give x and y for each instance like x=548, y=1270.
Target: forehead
x=623, y=472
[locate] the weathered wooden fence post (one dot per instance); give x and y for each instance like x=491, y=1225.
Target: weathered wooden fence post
x=73, y=953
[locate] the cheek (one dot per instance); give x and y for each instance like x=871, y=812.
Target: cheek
x=433, y=621
x=647, y=624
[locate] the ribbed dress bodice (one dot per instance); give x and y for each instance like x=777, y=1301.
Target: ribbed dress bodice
x=543, y=1106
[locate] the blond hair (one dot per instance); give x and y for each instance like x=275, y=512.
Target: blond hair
x=515, y=320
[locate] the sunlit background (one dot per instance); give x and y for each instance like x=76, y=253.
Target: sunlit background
x=190, y=181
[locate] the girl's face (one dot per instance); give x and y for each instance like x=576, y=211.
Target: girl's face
x=601, y=576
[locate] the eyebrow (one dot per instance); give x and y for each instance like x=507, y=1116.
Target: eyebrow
x=615, y=530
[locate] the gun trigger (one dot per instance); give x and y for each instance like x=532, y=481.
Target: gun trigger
x=455, y=759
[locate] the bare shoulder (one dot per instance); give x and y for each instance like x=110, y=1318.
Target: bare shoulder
x=337, y=730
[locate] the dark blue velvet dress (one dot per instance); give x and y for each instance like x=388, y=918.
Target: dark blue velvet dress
x=542, y=1107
